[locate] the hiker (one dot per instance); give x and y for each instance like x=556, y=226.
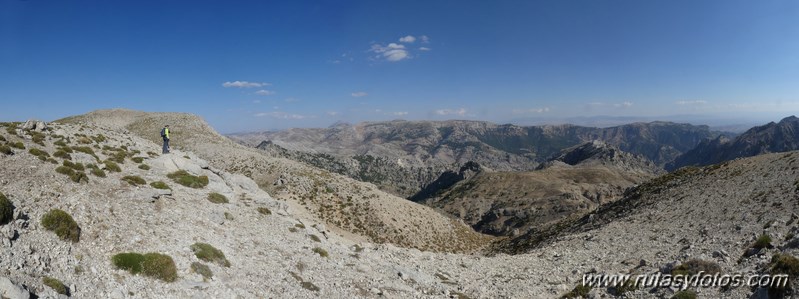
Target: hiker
x=165, y=136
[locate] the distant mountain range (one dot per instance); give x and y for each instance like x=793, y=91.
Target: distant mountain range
x=769, y=138
x=404, y=156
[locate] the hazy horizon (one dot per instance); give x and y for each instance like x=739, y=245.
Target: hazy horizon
x=253, y=65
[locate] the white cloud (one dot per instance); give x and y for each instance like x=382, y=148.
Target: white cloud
x=407, y=39
x=359, y=94
x=459, y=112
x=281, y=115
x=332, y=113
x=425, y=39
x=424, y=49
x=400, y=113
x=392, y=52
x=692, y=102
x=264, y=92
x=244, y=84
x=530, y=111
x=623, y=105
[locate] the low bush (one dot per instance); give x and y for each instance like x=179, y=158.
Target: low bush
x=111, y=166
x=580, y=291
x=155, y=265
x=62, y=224
x=217, y=198
x=314, y=238
x=202, y=269
x=17, y=145
x=764, y=241
x=2, y=139
x=321, y=252
x=159, y=185
x=208, y=253
x=60, y=143
x=75, y=176
x=264, y=211
x=684, y=294
x=137, y=159
x=98, y=172
x=694, y=266
x=56, y=285
x=39, y=153
x=37, y=138
x=144, y=167
x=134, y=180
x=6, y=209
x=118, y=157
x=62, y=154
x=6, y=150
x=84, y=149
x=184, y=178
x=160, y=266
x=75, y=166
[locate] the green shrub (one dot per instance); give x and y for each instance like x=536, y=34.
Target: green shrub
x=2, y=139
x=184, y=178
x=129, y=261
x=60, y=143
x=98, y=172
x=144, y=167
x=684, y=294
x=56, y=285
x=320, y=251
x=39, y=153
x=118, y=157
x=264, y=211
x=137, y=159
x=315, y=238
x=694, y=266
x=75, y=166
x=159, y=185
x=784, y=264
x=580, y=291
x=217, y=198
x=134, y=180
x=6, y=150
x=6, y=209
x=208, y=253
x=202, y=269
x=228, y=216
x=79, y=177
x=300, y=226
x=38, y=138
x=764, y=241
x=62, y=224
x=12, y=130
x=160, y=266
x=52, y=161
x=66, y=149
x=64, y=170
x=84, y=149
x=111, y=166
x=17, y=145
x=62, y=154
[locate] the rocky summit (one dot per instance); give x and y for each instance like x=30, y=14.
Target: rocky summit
x=89, y=208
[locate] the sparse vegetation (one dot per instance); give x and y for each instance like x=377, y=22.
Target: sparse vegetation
x=134, y=180
x=314, y=238
x=217, y=198
x=159, y=185
x=152, y=264
x=98, y=172
x=85, y=150
x=202, y=269
x=208, y=253
x=144, y=167
x=184, y=178
x=321, y=252
x=580, y=291
x=264, y=211
x=111, y=166
x=137, y=159
x=684, y=294
x=764, y=241
x=694, y=266
x=6, y=150
x=6, y=209
x=228, y=216
x=75, y=176
x=62, y=154
x=56, y=285
x=75, y=166
x=42, y=155
x=62, y=224
x=17, y=145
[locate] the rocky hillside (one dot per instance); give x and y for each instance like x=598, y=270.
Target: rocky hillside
x=569, y=185
x=244, y=243
x=346, y=205
x=768, y=138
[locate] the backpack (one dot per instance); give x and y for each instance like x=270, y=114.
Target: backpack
x=163, y=132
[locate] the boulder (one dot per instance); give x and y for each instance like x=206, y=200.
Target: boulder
x=9, y=289
x=34, y=125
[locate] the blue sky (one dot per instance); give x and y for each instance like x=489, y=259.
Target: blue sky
x=253, y=65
